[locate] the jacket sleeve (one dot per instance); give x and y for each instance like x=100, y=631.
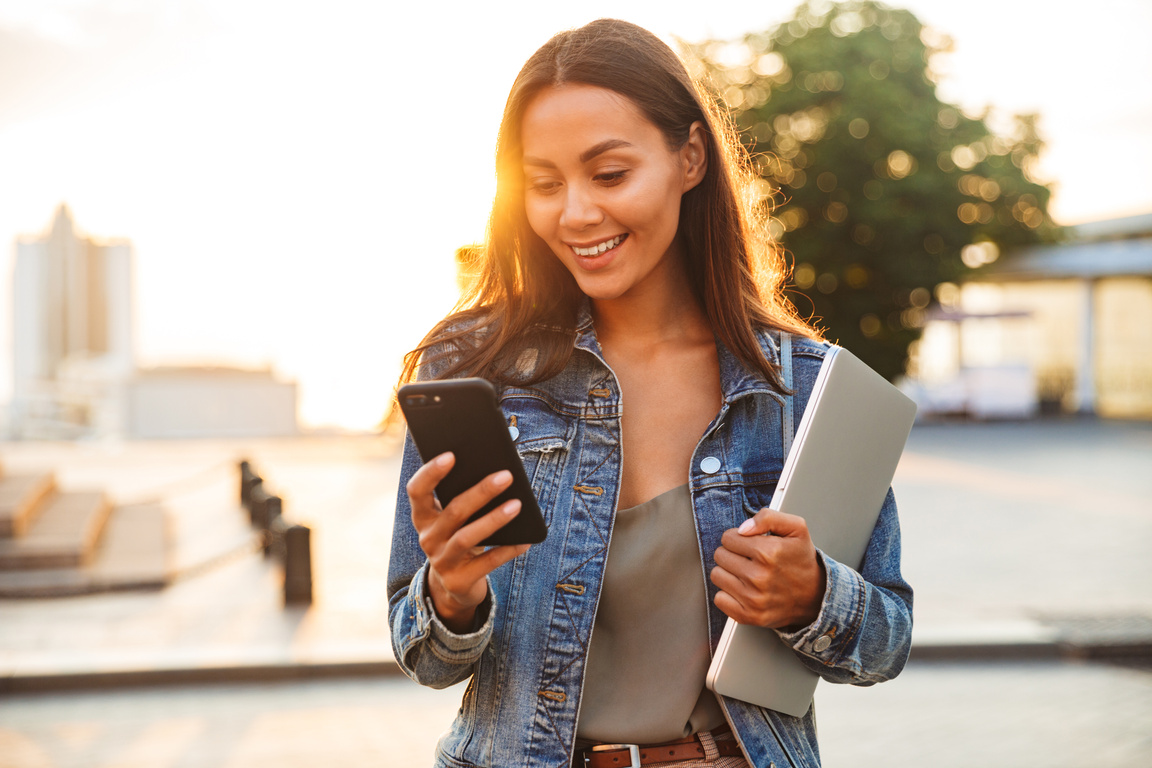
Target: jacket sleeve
x=426, y=650
x=863, y=633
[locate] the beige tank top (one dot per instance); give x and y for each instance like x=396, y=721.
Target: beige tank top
x=649, y=656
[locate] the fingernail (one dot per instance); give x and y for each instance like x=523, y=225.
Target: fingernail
x=747, y=525
x=444, y=459
x=503, y=477
x=512, y=507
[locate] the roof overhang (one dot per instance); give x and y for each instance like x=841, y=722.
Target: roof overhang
x=1076, y=261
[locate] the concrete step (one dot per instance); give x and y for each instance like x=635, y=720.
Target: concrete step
x=134, y=553
x=20, y=500
x=64, y=534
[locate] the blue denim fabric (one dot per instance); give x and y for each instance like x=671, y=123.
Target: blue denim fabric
x=526, y=658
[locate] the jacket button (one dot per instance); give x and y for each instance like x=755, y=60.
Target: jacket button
x=514, y=432
x=821, y=643
x=710, y=465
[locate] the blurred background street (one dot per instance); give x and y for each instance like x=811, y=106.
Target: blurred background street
x=1025, y=542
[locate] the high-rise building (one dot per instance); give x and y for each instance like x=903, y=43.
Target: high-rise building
x=73, y=331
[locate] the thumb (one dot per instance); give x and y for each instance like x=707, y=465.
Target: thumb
x=773, y=522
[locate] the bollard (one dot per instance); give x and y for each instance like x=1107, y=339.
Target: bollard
x=257, y=499
x=248, y=480
x=297, y=565
x=290, y=544
x=256, y=495
x=271, y=521
x=245, y=473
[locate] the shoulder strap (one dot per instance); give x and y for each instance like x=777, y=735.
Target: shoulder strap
x=788, y=427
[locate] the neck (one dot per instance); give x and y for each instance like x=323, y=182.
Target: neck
x=666, y=311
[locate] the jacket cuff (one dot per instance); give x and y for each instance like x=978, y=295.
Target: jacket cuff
x=443, y=642
x=831, y=635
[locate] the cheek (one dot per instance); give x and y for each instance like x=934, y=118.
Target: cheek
x=539, y=218
x=657, y=206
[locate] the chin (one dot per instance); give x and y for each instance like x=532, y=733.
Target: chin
x=597, y=291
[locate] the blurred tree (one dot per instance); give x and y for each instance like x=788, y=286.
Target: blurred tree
x=882, y=192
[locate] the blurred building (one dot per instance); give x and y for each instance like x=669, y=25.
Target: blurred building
x=1060, y=328
x=210, y=402
x=74, y=366
x=73, y=344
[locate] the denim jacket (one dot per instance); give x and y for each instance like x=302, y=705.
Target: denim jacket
x=525, y=658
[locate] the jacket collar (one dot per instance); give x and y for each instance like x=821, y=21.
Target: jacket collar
x=735, y=380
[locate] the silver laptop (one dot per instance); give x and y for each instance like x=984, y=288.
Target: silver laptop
x=835, y=476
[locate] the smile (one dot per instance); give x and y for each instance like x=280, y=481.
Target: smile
x=596, y=250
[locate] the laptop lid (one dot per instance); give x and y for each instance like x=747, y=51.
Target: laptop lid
x=836, y=477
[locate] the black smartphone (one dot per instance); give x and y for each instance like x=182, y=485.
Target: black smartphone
x=462, y=416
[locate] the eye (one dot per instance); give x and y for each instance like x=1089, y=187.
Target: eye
x=610, y=178
x=543, y=186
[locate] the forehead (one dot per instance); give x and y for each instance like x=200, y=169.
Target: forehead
x=568, y=119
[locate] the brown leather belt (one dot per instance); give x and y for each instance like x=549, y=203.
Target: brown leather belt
x=625, y=755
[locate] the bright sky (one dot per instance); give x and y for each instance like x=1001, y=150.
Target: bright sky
x=295, y=177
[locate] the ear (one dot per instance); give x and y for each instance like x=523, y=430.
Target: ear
x=694, y=156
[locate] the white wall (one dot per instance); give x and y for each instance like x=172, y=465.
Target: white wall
x=210, y=404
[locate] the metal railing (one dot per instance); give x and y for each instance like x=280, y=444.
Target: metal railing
x=289, y=543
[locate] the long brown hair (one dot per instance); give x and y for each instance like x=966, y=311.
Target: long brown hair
x=523, y=295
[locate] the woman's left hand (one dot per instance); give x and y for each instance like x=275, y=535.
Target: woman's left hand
x=770, y=581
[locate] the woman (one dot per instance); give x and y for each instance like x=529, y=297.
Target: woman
x=623, y=265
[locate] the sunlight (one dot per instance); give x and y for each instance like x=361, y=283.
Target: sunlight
x=296, y=183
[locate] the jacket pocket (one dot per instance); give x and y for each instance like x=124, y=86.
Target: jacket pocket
x=542, y=437
x=757, y=497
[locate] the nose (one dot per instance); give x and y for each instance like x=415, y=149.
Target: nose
x=580, y=209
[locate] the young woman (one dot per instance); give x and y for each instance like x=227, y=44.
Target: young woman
x=630, y=314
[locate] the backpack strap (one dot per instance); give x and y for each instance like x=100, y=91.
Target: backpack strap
x=788, y=426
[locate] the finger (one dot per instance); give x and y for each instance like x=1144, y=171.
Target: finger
x=468, y=537
x=726, y=581
x=762, y=549
x=421, y=488
x=495, y=557
x=473, y=500
x=475, y=568
x=731, y=607
x=738, y=565
x=771, y=521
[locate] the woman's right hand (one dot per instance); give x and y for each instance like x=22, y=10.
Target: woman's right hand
x=458, y=563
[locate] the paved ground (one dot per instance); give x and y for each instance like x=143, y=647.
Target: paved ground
x=954, y=715
x=230, y=613
x=1016, y=535
x=1011, y=522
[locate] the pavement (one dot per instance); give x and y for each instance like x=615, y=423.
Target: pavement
x=1026, y=543
x=1054, y=714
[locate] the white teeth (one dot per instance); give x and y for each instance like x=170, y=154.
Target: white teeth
x=598, y=249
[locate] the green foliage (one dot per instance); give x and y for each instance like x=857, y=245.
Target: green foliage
x=882, y=191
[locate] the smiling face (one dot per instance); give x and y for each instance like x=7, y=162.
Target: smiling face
x=602, y=188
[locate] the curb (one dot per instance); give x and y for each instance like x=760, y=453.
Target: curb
x=1122, y=637
x=1053, y=651
x=247, y=673
x=968, y=651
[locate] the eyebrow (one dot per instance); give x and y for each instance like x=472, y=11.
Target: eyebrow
x=585, y=156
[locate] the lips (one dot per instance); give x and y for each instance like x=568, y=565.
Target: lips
x=598, y=248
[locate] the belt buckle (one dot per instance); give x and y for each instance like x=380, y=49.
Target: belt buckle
x=633, y=753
